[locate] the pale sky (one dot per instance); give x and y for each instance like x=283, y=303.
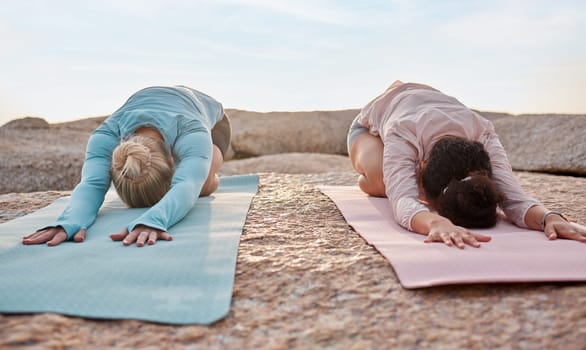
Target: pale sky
x=70, y=59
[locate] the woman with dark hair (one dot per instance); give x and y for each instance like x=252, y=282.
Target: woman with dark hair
x=443, y=168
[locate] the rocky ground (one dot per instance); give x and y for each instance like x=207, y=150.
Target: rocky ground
x=305, y=279
x=38, y=156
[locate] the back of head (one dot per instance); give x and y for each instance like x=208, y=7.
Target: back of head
x=141, y=171
x=457, y=181
x=470, y=202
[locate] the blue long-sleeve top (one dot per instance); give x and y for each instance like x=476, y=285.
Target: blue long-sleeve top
x=184, y=117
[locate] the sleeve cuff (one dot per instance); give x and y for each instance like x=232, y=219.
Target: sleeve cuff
x=70, y=230
x=133, y=225
x=405, y=210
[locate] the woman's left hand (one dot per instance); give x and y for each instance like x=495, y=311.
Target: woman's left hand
x=565, y=229
x=141, y=234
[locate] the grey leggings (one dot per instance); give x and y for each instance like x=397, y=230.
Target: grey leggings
x=355, y=130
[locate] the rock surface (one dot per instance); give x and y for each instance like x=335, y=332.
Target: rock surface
x=257, y=134
x=289, y=163
x=41, y=159
x=37, y=156
x=306, y=280
x=27, y=123
x=555, y=144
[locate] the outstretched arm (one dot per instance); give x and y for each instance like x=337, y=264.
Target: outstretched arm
x=400, y=176
x=517, y=203
x=142, y=234
x=523, y=210
x=554, y=224
x=87, y=196
x=194, y=151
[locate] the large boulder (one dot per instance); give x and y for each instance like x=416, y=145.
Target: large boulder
x=27, y=123
x=544, y=143
x=38, y=156
x=256, y=134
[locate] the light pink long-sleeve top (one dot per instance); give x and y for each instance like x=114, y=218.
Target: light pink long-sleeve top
x=410, y=118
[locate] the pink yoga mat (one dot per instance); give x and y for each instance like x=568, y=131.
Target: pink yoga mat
x=513, y=255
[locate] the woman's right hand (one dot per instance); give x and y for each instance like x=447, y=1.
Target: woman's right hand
x=452, y=235
x=141, y=234
x=52, y=236
x=439, y=229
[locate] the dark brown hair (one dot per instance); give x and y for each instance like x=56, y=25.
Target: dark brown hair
x=457, y=181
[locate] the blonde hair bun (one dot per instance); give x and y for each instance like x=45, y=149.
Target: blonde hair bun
x=142, y=171
x=132, y=160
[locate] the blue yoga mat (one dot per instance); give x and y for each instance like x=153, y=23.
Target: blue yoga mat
x=185, y=281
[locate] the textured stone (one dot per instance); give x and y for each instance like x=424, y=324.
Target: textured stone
x=256, y=134
x=546, y=143
x=306, y=280
x=26, y=123
x=40, y=159
x=37, y=156
x=288, y=163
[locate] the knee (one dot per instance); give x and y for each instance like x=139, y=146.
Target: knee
x=212, y=182
x=210, y=186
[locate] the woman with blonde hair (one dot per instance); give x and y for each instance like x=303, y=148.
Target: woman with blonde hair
x=161, y=150
x=443, y=168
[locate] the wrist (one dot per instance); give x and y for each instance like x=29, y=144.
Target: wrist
x=423, y=221
x=551, y=215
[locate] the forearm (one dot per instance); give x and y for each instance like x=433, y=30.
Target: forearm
x=172, y=208
x=88, y=195
x=534, y=217
x=82, y=208
x=517, y=203
x=195, y=154
x=400, y=179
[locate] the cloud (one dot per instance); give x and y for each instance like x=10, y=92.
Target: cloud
x=276, y=52
x=132, y=8
x=514, y=27
x=144, y=70
x=325, y=12
x=12, y=41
